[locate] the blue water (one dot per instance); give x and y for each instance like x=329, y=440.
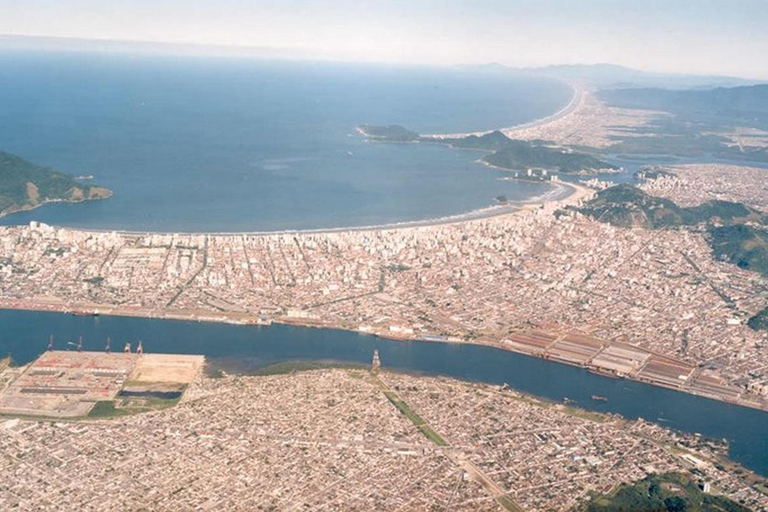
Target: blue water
x=199, y=144
x=24, y=335
x=203, y=144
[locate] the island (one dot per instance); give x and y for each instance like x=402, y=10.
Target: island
x=24, y=186
x=504, y=152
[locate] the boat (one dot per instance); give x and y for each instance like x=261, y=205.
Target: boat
x=85, y=313
x=599, y=398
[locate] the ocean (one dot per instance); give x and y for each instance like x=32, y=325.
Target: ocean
x=200, y=144
x=227, y=145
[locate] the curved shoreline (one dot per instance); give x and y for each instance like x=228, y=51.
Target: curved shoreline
x=479, y=213
x=576, y=98
x=30, y=207
x=561, y=192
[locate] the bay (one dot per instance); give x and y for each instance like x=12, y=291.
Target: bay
x=221, y=144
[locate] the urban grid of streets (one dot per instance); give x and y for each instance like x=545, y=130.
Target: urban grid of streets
x=331, y=440
x=647, y=304
x=650, y=305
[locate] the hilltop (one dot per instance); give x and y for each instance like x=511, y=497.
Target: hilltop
x=628, y=206
x=24, y=185
x=670, y=492
x=504, y=152
x=736, y=233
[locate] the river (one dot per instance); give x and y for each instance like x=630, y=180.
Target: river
x=24, y=335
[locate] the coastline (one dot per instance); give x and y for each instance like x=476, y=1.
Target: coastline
x=575, y=101
x=551, y=200
x=479, y=213
x=29, y=207
x=562, y=193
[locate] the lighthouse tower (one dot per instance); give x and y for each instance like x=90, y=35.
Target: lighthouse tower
x=376, y=363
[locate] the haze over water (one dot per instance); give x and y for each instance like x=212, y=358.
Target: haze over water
x=202, y=144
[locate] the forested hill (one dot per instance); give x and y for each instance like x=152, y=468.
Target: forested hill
x=503, y=152
x=24, y=185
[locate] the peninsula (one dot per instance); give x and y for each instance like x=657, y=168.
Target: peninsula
x=504, y=152
x=24, y=186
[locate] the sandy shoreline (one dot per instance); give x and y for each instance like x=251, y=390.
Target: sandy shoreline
x=573, y=104
x=480, y=213
x=561, y=193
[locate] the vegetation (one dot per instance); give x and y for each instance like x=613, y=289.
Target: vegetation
x=24, y=185
x=671, y=492
x=743, y=104
x=390, y=133
x=521, y=155
x=106, y=409
x=585, y=414
x=736, y=233
x=698, y=116
x=626, y=205
x=130, y=405
x=504, y=152
x=745, y=246
x=759, y=321
x=302, y=366
x=405, y=409
x=517, y=154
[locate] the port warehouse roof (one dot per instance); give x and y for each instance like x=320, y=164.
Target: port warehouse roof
x=620, y=359
x=68, y=384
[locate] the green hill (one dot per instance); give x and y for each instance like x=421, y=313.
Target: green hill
x=736, y=233
x=745, y=246
x=504, y=152
x=24, y=185
x=627, y=205
x=671, y=492
x=389, y=133
x=521, y=155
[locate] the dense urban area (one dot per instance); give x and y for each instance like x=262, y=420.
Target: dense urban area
x=647, y=304
x=351, y=440
x=551, y=279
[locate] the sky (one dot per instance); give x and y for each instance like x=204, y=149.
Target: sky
x=686, y=36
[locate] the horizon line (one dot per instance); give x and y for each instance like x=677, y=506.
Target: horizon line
x=284, y=53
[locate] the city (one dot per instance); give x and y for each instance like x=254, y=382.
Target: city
x=333, y=439
x=545, y=280
x=384, y=256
